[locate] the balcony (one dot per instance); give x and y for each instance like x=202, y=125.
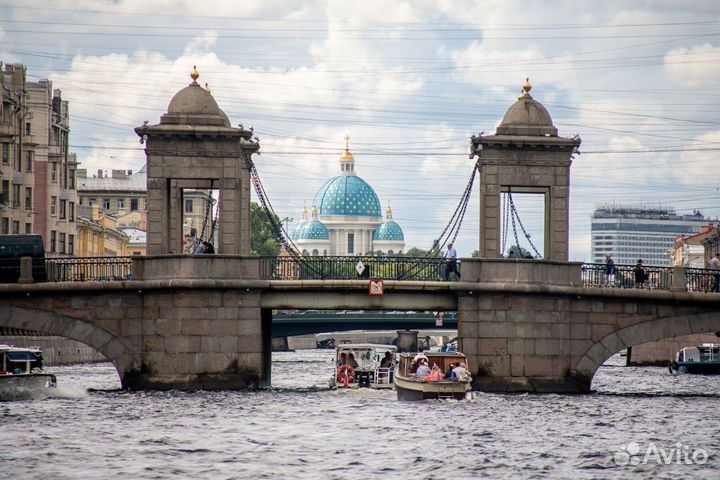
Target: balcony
x=29, y=140
x=7, y=131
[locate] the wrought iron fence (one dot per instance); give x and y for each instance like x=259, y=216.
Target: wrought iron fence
x=700, y=279
x=348, y=268
x=655, y=278
x=85, y=269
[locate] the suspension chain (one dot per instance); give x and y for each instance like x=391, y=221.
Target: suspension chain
x=513, y=212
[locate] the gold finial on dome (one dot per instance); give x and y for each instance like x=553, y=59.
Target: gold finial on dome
x=305, y=212
x=207, y=89
x=195, y=74
x=347, y=155
x=314, y=212
x=526, y=89
x=389, y=213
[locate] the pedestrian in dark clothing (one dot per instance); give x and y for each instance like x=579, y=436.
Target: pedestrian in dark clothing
x=451, y=263
x=610, y=270
x=640, y=275
x=209, y=247
x=715, y=265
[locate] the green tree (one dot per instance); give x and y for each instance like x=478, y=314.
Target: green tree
x=262, y=237
x=475, y=254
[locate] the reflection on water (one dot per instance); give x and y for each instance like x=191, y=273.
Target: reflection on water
x=300, y=429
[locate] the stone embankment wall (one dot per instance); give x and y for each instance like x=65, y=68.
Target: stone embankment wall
x=661, y=352
x=57, y=350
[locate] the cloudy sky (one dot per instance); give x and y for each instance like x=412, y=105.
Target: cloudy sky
x=410, y=82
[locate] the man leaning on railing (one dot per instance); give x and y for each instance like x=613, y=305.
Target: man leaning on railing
x=715, y=266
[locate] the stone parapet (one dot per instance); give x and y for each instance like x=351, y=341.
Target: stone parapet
x=214, y=267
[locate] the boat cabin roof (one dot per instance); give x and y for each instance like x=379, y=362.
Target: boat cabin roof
x=21, y=354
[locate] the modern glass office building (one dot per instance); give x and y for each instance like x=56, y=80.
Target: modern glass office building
x=632, y=233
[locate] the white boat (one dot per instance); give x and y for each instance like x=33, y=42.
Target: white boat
x=21, y=374
x=363, y=365
x=410, y=386
x=703, y=359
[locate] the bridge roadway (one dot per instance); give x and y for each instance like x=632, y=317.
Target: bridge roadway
x=195, y=322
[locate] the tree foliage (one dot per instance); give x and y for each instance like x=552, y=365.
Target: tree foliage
x=262, y=238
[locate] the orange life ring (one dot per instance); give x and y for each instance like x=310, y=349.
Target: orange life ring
x=345, y=370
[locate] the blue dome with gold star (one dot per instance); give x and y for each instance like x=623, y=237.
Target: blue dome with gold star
x=347, y=195
x=389, y=232
x=312, y=230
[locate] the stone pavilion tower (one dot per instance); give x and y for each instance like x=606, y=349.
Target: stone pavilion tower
x=194, y=147
x=525, y=155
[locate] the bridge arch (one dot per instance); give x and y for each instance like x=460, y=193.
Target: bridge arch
x=643, y=332
x=52, y=323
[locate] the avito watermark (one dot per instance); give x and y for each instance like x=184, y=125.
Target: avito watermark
x=633, y=454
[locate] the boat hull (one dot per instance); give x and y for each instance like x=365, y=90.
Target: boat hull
x=410, y=390
x=704, y=368
x=22, y=386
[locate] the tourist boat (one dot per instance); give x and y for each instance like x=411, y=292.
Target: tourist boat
x=362, y=365
x=21, y=374
x=704, y=358
x=411, y=387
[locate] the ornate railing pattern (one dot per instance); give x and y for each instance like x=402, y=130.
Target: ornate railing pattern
x=346, y=268
x=84, y=269
x=657, y=278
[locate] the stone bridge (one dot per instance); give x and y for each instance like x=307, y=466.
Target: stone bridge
x=204, y=322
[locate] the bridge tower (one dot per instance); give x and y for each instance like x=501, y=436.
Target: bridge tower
x=194, y=147
x=525, y=155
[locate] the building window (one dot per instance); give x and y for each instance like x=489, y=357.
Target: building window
x=92, y=202
x=5, y=194
x=71, y=244
x=106, y=204
x=53, y=237
x=16, y=227
x=53, y=206
x=315, y=253
x=351, y=243
x=5, y=226
x=6, y=154
x=61, y=243
x=16, y=196
x=28, y=228
x=188, y=205
x=53, y=172
x=63, y=204
x=29, y=161
x=133, y=204
x=28, y=128
x=71, y=179
x=121, y=203
x=28, y=198
x=71, y=213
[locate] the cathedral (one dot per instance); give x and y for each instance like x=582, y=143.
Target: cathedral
x=346, y=218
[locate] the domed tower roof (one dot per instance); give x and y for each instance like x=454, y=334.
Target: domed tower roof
x=389, y=230
x=527, y=116
x=194, y=105
x=313, y=230
x=347, y=194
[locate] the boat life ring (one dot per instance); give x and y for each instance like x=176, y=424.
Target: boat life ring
x=345, y=371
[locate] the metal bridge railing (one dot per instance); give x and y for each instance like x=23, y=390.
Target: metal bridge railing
x=346, y=268
x=658, y=278
x=85, y=269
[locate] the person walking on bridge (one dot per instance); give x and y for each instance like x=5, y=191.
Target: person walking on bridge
x=451, y=263
x=715, y=265
x=610, y=270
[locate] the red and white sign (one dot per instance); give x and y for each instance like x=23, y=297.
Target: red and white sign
x=377, y=288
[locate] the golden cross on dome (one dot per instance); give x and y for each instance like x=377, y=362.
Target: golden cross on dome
x=347, y=142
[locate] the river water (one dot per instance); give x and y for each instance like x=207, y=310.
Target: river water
x=640, y=423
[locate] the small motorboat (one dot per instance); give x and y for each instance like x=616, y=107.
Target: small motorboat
x=704, y=359
x=363, y=365
x=21, y=373
x=411, y=386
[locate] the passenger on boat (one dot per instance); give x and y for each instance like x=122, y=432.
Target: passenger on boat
x=423, y=370
x=436, y=374
x=342, y=360
x=449, y=371
x=461, y=373
x=388, y=361
x=351, y=360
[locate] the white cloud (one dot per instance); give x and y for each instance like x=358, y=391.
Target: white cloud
x=697, y=66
